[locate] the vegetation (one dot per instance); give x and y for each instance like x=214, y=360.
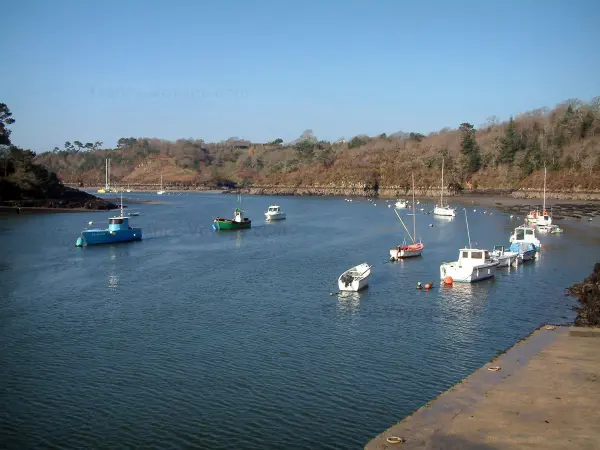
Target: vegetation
x=492, y=156
x=23, y=182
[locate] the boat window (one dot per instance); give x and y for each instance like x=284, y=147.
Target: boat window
x=476, y=255
x=529, y=232
x=465, y=254
x=487, y=255
x=115, y=221
x=520, y=235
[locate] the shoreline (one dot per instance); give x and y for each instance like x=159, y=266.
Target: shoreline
x=536, y=392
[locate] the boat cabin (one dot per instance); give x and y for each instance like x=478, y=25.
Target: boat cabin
x=118, y=223
x=524, y=234
x=274, y=209
x=473, y=256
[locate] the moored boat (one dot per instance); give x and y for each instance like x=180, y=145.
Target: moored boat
x=474, y=264
x=525, y=234
x=504, y=257
x=526, y=250
x=118, y=231
x=408, y=250
x=401, y=204
x=274, y=213
x=355, y=278
x=441, y=210
x=239, y=222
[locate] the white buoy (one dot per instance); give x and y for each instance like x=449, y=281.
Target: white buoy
x=90, y=222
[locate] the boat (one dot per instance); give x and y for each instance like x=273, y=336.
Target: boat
x=239, y=222
x=355, y=279
x=401, y=204
x=526, y=250
x=161, y=192
x=118, y=231
x=106, y=178
x=133, y=214
x=128, y=188
x=555, y=229
x=504, y=257
x=474, y=264
x=441, y=210
x=408, y=250
x=544, y=218
x=526, y=234
x=274, y=213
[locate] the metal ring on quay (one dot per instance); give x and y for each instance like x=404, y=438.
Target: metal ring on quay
x=394, y=440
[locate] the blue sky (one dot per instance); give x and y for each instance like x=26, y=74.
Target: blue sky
x=87, y=70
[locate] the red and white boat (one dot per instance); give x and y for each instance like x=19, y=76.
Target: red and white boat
x=408, y=250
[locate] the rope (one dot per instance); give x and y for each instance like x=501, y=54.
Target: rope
x=404, y=226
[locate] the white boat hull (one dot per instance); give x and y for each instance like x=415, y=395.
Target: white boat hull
x=278, y=216
x=401, y=205
x=357, y=283
x=444, y=211
x=160, y=192
x=506, y=259
x=401, y=254
x=467, y=274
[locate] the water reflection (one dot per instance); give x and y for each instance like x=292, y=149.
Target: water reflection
x=238, y=239
x=348, y=302
x=465, y=297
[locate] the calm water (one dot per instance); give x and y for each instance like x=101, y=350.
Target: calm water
x=222, y=340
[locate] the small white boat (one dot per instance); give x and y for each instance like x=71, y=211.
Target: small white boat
x=133, y=214
x=274, y=213
x=474, y=264
x=441, y=210
x=401, y=204
x=525, y=234
x=505, y=258
x=355, y=279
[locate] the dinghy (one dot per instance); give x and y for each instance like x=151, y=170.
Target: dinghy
x=355, y=279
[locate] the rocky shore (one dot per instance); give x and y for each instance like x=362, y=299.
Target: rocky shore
x=588, y=294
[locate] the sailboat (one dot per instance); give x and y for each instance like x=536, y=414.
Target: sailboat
x=441, y=210
x=544, y=219
x=161, y=192
x=410, y=250
x=106, y=178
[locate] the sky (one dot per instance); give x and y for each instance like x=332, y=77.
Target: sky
x=260, y=70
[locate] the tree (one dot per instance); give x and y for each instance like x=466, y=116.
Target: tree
x=78, y=144
x=307, y=135
x=89, y=146
x=357, y=142
x=5, y=119
x=305, y=150
x=469, y=148
x=382, y=136
x=511, y=144
x=277, y=141
x=68, y=146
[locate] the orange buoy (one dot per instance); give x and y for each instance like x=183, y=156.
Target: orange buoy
x=449, y=281
x=428, y=286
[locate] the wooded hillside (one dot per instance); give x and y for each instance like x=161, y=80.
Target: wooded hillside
x=493, y=156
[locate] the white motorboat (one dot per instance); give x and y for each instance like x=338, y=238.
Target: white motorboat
x=355, y=279
x=401, y=204
x=474, y=264
x=441, y=210
x=525, y=234
x=505, y=258
x=274, y=213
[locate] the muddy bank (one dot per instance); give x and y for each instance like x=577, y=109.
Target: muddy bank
x=370, y=190
x=588, y=295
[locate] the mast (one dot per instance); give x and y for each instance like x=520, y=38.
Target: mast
x=414, y=211
x=122, y=203
x=442, y=191
x=468, y=233
x=106, y=174
x=108, y=185
x=544, y=207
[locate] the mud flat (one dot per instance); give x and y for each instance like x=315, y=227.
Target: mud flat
x=545, y=395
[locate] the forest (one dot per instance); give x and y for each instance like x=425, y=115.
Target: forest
x=494, y=155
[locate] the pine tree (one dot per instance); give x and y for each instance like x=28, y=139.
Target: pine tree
x=470, y=148
x=511, y=144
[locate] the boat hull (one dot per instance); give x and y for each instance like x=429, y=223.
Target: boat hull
x=447, y=212
x=467, y=274
x=227, y=225
x=280, y=216
x=406, y=251
x=357, y=284
x=506, y=259
x=98, y=237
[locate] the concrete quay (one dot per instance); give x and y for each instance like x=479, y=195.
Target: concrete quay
x=542, y=393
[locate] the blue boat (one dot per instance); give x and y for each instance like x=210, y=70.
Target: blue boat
x=118, y=231
x=526, y=250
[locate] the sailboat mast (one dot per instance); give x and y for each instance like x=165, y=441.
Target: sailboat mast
x=105, y=174
x=122, y=203
x=442, y=191
x=108, y=186
x=544, y=207
x=414, y=211
x=468, y=233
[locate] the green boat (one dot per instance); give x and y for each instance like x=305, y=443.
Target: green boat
x=239, y=222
